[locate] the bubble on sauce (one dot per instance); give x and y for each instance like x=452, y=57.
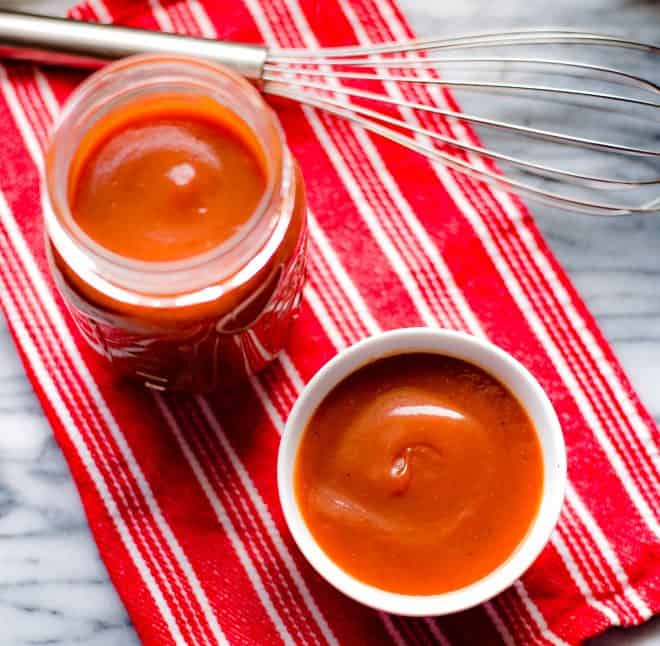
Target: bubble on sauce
x=401, y=469
x=400, y=473
x=399, y=466
x=182, y=174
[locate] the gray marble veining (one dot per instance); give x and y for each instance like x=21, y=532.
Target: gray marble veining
x=53, y=586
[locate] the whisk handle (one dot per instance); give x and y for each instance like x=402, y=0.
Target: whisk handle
x=71, y=43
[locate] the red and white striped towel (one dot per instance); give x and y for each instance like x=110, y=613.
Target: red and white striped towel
x=180, y=490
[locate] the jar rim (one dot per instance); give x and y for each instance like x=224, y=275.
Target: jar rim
x=174, y=282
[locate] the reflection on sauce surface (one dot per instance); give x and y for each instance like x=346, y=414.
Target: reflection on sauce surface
x=419, y=474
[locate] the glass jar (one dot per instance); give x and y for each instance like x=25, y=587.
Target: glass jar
x=201, y=322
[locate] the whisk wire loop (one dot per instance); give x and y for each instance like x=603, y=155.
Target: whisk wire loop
x=352, y=83
x=534, y=36
x=484, y=175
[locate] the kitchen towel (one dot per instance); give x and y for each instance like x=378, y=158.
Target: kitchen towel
x=180, y=490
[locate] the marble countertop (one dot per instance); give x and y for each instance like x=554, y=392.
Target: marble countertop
x=54, y=588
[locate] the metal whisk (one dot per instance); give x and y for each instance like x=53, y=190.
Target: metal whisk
x=396, y=90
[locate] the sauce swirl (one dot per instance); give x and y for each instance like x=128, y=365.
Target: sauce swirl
x=419, y=474
x=166, y=180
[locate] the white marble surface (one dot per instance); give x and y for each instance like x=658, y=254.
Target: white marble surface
x=53, y=587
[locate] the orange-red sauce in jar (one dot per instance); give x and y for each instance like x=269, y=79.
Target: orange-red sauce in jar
x=177, y=222
x=419, y=474
x=165, y=181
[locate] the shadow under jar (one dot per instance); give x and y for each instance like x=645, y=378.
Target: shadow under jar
x=190, y=279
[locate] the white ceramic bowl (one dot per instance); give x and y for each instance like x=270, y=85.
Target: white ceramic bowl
x=496, y=362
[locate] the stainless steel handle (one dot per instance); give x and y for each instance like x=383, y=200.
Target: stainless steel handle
x=60, y=41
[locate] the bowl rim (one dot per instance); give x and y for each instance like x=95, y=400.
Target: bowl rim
x=502, y=366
